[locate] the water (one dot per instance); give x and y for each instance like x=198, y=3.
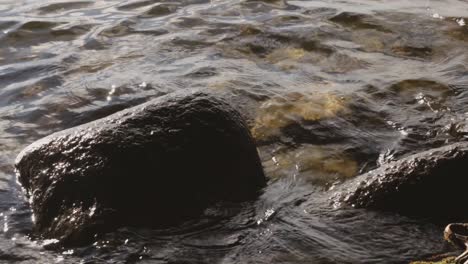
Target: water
x=331, y=89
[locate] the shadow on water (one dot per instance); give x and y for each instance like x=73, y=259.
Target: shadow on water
x=331, y=89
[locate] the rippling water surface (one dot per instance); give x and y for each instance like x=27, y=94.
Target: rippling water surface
x=331, y=89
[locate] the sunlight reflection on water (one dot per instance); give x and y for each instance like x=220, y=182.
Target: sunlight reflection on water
x=331, y=89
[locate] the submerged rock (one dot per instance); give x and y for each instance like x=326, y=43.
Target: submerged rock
x=428, y=184
x=151, y=165
x=317, y=164
x=279, y=112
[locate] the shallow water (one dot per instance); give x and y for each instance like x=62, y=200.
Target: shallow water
x=331, y=88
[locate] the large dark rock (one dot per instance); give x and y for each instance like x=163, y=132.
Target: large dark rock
x=429, y=184
x=151, y=165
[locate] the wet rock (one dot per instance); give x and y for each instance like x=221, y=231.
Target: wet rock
x=457, y=234
x=151, y=165
x=428, y=184
x=436, y=260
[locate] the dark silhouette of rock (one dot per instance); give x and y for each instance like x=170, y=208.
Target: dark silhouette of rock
x=151, y=165
x=428, y=184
